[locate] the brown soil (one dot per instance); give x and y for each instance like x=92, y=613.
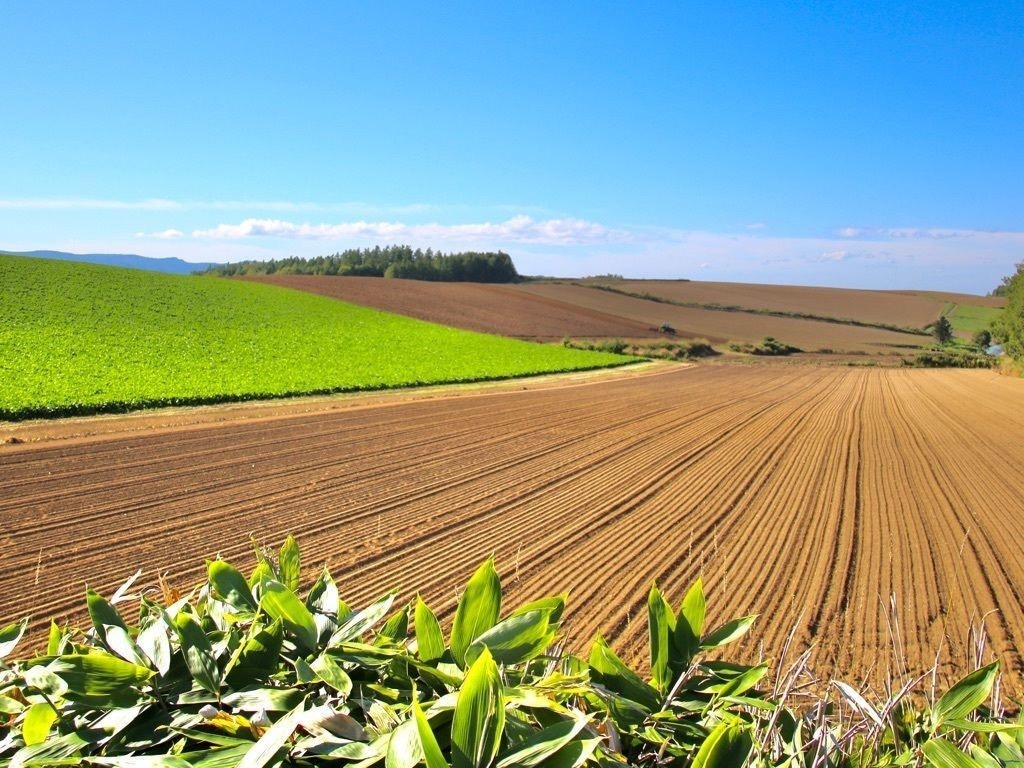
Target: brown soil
x=809, y=496
x=499, y=309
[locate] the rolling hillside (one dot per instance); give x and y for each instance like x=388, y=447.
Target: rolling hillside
x=81, y=338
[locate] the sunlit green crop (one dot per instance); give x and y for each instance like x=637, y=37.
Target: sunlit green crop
x=81, y=338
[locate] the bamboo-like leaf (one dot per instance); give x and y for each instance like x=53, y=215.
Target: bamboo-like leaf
x=743, y=682
x=479, y=718
x=727, y=633
x=39, y=718
x=969, y=693
x=432, y=754
x=514, y=640
x=10, y=635
x=554, y=605
x=230, y=585
x=396, y=628
x=943, y=754
x=199, y=659
x=156, y=645
x=661, y=621
x=727, y=746
x=142, y=761
x=859, y=702
x=477, y=611
x=984, y=758
x=257, y=658
x=279, y=602
x=288, y=564
x=53, y=640
x=100, y=679
x=689, y=626
x=429, y=640
x=358, y=622
x=542, y=746
x=102, y=614
x=608, y=669
x=323, y=596
x=121, y=644
x=404, y=747
x=276, y=736
x=331, y=672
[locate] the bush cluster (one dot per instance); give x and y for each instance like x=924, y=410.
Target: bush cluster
x=769, y=346
x=244, y=671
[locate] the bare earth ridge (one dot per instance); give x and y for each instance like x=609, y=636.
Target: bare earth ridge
x=806, y=495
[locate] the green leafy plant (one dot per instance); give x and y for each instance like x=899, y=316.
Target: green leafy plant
x=245, y=671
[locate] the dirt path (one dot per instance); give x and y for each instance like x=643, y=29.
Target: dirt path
x=806, y=495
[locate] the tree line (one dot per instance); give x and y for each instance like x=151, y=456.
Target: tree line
x=400, y=261
x=1008, y=327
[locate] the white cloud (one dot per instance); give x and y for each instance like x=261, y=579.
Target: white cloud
x=518, y=229
x=834, y=256
x=850, y=232
x=167, y=234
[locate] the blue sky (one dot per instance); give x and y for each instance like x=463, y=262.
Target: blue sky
x=857, y=144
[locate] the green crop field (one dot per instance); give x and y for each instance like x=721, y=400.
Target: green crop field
x=970, y=318
x=78, y=338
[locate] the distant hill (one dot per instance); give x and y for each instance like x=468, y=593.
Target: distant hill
x=169, y=265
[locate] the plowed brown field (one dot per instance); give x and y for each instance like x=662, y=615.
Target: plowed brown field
x=806, y=495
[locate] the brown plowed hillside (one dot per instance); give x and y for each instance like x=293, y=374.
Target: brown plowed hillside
x=498, y=309
x=806, y=495
x=911, y=309
x=717, y=326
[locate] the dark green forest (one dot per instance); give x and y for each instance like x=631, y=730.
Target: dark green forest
x=391, y=261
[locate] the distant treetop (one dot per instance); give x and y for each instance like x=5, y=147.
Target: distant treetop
x=391, y=261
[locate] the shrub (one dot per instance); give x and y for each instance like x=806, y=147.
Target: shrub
x=245, y=671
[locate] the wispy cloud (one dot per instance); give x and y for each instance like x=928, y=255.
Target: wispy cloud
x=518, y=229
x=167, y=234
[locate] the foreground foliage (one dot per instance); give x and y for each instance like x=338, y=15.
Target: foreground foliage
x=244, y=671
x=1008, y=326
x=80, y=338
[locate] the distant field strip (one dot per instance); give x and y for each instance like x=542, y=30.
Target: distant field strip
x=806, y=495
x=715, y=307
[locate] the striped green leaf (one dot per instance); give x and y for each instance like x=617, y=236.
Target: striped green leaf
x=477, y=611
x=479, y=718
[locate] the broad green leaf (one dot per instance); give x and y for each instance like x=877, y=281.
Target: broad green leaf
x=53, y=641
x=230, y=585
x=228, y=757
x=155, y=643
x=984, y=727
x=330, y=671
x=323, y=596
x=608, y=669
x=10, y=635
x=689, y=626
x=727, y=746
x=404, y=748
x=9, y=706
x=540, y=747
x=358, y=622
x=983, y=758
x=395, y=628
x=288, y=564
x=267, y=699
x=432, y=754
x=39, y=718
x=429, y=640
x=743, y=682
x=257, y=658
x=965, y=696
x=44, y=680
x=100, y=679
x=661, y=620
x=102, y=613
x=515, y=639
x=276, y=736
x=198, y=653
x=576, y=753
x=477, y=611
x=555, y=606
x=64, y=750
x=727, y=633
x=479, y=718
x=121, y=643
x=261, y=574
x=279, y=602
x=943, y=754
